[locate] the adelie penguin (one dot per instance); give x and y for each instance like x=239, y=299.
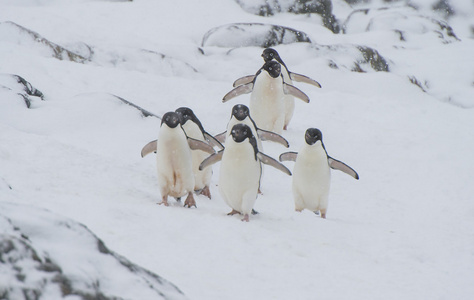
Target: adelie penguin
x=240, y=170
x=312, y=174
x=241, y=115
x=267, y=89
x=270, y=54
x=174, y=159
x=194, y=129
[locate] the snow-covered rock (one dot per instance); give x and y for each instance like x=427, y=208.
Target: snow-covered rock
x=322, y=8
x=15, y=86
x=252, y=34
x=46, y=256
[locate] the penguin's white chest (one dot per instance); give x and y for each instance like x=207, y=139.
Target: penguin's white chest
x=311, y=177
x=267, y=104
x=174, y=162
x=201, y=178
x=239, y=176
x=288, y=100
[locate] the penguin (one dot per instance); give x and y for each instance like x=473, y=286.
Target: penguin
x=267, y=96
x=270, y=54
x=194, y=129
x=240, y=170
x=312, y=174
x=241, y=114
x=174, y=159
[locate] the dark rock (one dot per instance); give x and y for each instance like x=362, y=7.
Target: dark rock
x=416, y=82
x=145, y=113
x=372, y=56
x=272, y=7
x=18, y=85
x=252, y=34
x=444, y=8
x=356, y=58
x=319, y=7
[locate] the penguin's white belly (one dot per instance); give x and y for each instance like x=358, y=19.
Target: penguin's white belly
x=266, y=103
x=311, y=182
x=239, y=178
x=201, y=178
x=174, y=164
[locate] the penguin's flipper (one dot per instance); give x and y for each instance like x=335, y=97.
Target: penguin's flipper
x=305, y=79
x=221, y=136
x=244, y=80
x=213, y=141
x=241, y=89
x=272, y=136
x=294, y=91
x=272, y=162
x=200, y=145
x=339, y=165
x=288, y=156
x=149, y=148
x=211, y=160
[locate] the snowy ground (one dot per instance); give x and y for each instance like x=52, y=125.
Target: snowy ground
x=404, y=230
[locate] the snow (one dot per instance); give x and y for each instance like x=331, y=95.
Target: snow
x=404, y=230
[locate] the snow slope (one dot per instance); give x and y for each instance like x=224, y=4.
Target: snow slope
x=404, y=230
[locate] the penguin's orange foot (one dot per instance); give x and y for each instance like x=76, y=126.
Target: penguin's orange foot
x=233, y=212
x=245, y=218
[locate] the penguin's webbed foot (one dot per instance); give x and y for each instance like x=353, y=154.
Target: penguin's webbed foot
x=245, y=218
x=190, y=202
x=233, y=212
x=164, y=201
x=206, y=192
x=323, y=213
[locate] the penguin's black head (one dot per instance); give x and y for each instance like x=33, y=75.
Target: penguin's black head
x=185, y=114
x=171, y=119
x=273, y=68
x=240, y=132
x=269, y=54
x=313, y=135
x=240, y=112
